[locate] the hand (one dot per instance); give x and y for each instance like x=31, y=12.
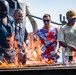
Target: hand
x=72, y=48
x=57, y=55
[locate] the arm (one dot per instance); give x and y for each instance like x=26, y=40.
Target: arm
x=61, y=39
x=58, y=51
x=65, y=45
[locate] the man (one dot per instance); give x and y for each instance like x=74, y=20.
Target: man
x=6, y=30
x=67, y=34
x=21, y=32
x=48, y=37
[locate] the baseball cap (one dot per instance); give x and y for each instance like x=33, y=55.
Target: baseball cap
x=71, y=13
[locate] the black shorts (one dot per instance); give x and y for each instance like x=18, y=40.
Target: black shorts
x=70, y=58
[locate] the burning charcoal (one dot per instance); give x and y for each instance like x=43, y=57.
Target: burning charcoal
x=24, y=59
x=21, y=58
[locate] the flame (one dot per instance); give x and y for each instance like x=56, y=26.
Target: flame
x=73, y=62
x=74, y=57
x=32, y=51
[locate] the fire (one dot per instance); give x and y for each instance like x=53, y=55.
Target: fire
x=73, y=61
x=32, y=52
x=74, y=57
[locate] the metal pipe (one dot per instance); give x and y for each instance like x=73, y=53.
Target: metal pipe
x=45, y=70
x=42, y=19
x=15, y=1
x=38, y=68
x=33, y=22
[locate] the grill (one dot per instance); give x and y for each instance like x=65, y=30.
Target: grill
x=40, y=70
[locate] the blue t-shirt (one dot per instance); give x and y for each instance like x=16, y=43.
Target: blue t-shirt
x=5, y=32
x=21, y=33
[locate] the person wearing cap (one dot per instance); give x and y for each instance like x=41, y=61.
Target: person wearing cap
x=6, y=30
x=67, y=35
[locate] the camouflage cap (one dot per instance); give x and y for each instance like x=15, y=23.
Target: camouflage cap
x=71, y=14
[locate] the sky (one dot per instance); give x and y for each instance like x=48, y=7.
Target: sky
x=53, y=7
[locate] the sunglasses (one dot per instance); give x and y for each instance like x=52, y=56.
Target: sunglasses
x=46, y=20
x=73, y=19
